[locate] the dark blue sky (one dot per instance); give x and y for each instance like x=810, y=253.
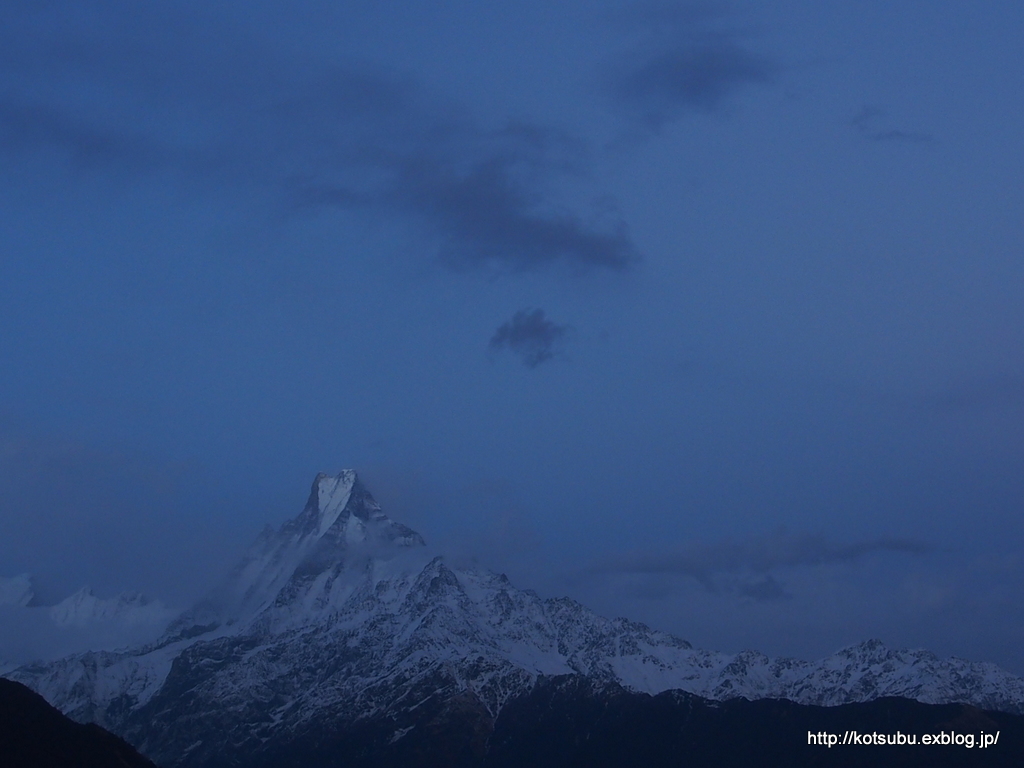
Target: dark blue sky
x=706, y=315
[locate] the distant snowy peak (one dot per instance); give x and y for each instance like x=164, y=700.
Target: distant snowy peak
x=85, y=609
x=32, y=631
x=16, y=590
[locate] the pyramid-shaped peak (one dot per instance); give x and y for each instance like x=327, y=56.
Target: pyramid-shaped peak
x=335, y=500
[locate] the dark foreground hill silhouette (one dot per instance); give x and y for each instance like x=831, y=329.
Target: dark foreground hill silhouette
x=35, y=735
x=569, y=722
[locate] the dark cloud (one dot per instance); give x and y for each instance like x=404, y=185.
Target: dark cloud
x=866, y=122
x=746, y=567
x=206, y=103
x=490, y=219
x=683, y=63
x=694, y=77
x=530, y=335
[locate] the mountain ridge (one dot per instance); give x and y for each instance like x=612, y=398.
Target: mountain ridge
x=343, y=616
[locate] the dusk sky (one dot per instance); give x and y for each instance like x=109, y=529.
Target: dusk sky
x=710, y=316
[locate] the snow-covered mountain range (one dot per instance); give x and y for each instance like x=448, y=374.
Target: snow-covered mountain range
x=84, y=608
x=32, y=629
x=342, y=616
x=127, y=609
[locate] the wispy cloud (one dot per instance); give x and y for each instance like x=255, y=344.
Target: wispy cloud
x=866, y=123
x=684, y=61
x=748, y=567
x=530, y=335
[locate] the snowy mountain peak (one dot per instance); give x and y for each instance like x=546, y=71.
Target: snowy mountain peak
x=84, y=609
x=341, y=509
x=296, y=567
x=328, y=498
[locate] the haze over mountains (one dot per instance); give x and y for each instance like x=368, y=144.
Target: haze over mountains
x=31, y=629
x=342, y=625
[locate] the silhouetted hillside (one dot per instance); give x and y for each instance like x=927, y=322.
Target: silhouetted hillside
x=569, y=722
x=35, y=735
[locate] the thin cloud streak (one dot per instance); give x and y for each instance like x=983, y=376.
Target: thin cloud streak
x=905, y=136
x=866, y=120
x=729, y=566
